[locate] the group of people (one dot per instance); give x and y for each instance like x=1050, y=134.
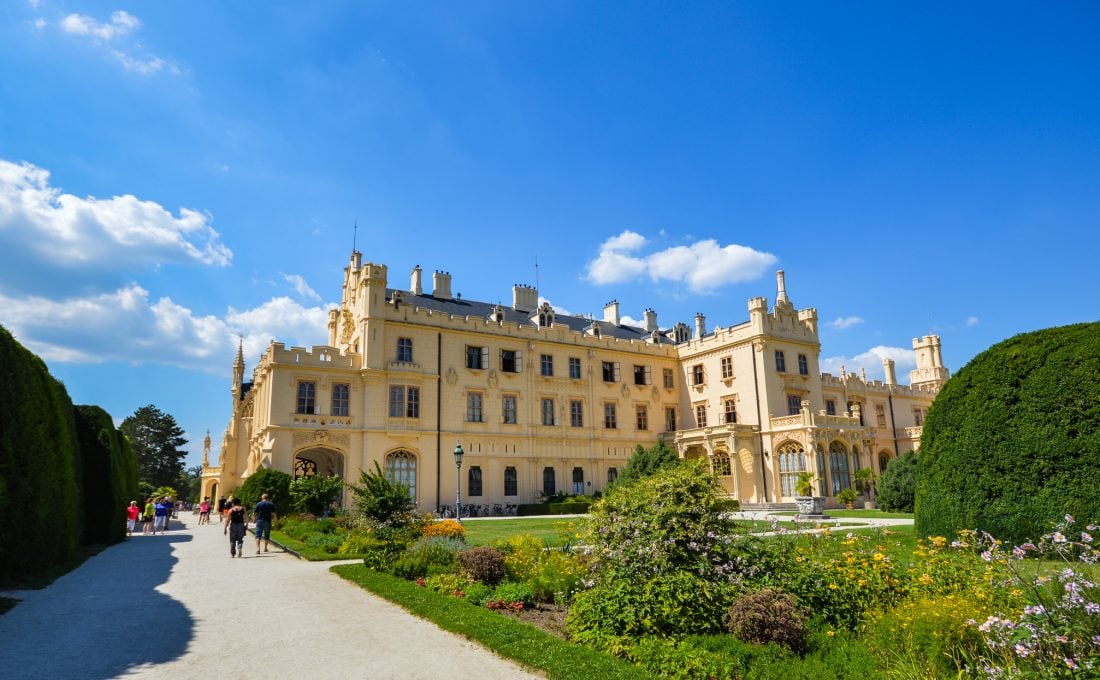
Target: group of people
x=156, y=513
x=154, y=516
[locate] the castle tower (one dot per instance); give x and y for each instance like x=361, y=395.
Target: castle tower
x=238, y=375
x=930, y=373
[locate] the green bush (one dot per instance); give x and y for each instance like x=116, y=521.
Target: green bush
x=428, y=556
x=569, y=508
x=108, y=476
x=478, y=594
x=38, y=464
x=315, y=494
x=381, y=500
x=728, y=505
x=556, y=576
x=1012, y=441
x=532, y=509
x=357, y=542
x=274, y=483
x=897, y=485
x=330, y=543
x=509, y=592
x=645, y=462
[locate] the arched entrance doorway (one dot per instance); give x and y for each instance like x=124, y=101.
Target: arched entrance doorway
x=318, y=461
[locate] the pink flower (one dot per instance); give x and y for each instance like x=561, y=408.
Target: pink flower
x=1058, y=537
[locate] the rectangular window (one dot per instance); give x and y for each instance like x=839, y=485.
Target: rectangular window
x=405, y=349
x=612, y=474
x=918, y=417
x=546, y=364
x=549, y=485
x=509, y=409
x=643, y=375
x=473, y=407
x=404, y=401
x=697, y=375
x=803, y=365
x=727, y=368
x=340, y=399
x=880, y=415
x=780, y=361
x=666, y=374
x=473, y=481
x=729, y=408
x=576, y=413
x=700, y=415
x=477, y=357
x=511, y=484
x=547, y=411
x=670, y=419
x=575, y=368
x=307, y=397
x=578, y=481
x=510, y=361
x=794, y=404
x=610, y=371
x=641, y=417
x=610, y=421
x=830, y=407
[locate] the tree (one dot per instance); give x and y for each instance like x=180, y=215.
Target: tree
x=1012, y=442
x=315, y=494
x=275, y=483
x=897, y=484
x=189, y=483
x=156, y=440
x=645, y=462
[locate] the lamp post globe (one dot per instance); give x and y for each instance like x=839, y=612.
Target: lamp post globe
x=458, y=481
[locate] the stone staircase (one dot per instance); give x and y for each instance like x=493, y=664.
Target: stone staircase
x=769, y=507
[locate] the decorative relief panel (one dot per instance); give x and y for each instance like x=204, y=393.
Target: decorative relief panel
x=320, y=438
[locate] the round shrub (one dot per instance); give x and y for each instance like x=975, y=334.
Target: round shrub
x=897, y=485
x=767, y=616
x=275, y=483
x=1012, y=441
x=428, y=557
x=483, y=564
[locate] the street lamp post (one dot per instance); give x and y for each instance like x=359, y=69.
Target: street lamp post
x=458, y=481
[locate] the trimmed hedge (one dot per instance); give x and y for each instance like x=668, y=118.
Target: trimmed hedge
x=39, y=495
x=1012, y=442
x=532, y=509
x=108, y=476
x=275, y=483
x=564, y=508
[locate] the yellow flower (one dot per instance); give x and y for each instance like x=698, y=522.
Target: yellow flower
x=878, y=557
x=938, y=541
x=925, y=579
x=831, y=633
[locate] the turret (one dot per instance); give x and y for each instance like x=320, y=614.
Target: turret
x=890, y=372
x=524, y=298
x=700, y=325
x=441, y=285
x=930, y=372
x=238, y=374
x=415, y=285
x=650, y=317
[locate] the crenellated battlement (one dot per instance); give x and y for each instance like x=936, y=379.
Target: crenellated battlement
x=320, y=356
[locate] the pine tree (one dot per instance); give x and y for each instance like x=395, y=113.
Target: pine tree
x=156, y=440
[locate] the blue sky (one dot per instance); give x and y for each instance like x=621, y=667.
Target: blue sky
x=176, y=175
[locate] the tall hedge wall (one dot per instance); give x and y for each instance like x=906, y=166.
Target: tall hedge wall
x=1012, y=442
x=109, y=476
x=39, y=495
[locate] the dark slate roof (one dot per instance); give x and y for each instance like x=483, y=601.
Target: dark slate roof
x=483, y=310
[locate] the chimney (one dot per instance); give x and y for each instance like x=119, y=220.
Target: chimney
x=415, y=284
x=650, y=317
x=441, y=285
x=700, y=325
x=611, y=312
x=891, y=373
x=524, y=298
x=781, y=281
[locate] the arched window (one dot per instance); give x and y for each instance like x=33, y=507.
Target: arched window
x=401, y=468
x=792, y=460
x=473, y=482
x=721, y=462
x=612, y=474
x=883, y=461
x=510, y=481
x=549, y=485
x=578, y=481
x=304, y=467
x=839, y=472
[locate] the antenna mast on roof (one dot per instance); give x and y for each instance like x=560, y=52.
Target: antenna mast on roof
x=355, y=235
x=536, y=276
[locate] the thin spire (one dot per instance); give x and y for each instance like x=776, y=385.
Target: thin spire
x=240, y=350
x=355, y=235
x=536, y=276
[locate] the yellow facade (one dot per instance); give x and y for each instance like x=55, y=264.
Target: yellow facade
x=542, y=402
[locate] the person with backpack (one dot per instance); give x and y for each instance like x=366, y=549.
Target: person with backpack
x=236, y=525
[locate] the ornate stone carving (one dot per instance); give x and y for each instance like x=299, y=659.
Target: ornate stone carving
x=493, y=377
x=654, y=394
x=452, y=376
x=349, y=327
x=320, y=438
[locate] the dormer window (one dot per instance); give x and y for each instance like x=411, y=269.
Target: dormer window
x=546, y=315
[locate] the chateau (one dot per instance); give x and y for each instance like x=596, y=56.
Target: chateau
x=542, y=402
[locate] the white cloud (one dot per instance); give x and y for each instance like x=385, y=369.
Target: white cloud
x=133, y=57
x=39, y=23
x=904, y=360
x=121, y=24
x=703, y=265
x=845, y=322
x=631, y=321
x=301, y=287
x=126, y=325
x=46, y=231
x=971, y=321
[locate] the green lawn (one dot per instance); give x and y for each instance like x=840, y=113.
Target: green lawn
x=306, y=552
x=553, y=531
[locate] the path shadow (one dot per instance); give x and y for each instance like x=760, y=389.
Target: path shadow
x=101, y=619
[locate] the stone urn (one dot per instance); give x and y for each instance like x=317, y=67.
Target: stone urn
x=810, y=505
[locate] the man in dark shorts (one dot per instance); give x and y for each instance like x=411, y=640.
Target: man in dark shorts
x=264, y=514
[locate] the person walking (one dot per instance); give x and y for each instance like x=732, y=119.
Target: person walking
x=147, y=516
x=160, y=515
x=132, y=514
x=204, y=511
x=264, y=514
x=236, y=525
x=221, y=507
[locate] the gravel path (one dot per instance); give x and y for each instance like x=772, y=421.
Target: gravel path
x=176, y=606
